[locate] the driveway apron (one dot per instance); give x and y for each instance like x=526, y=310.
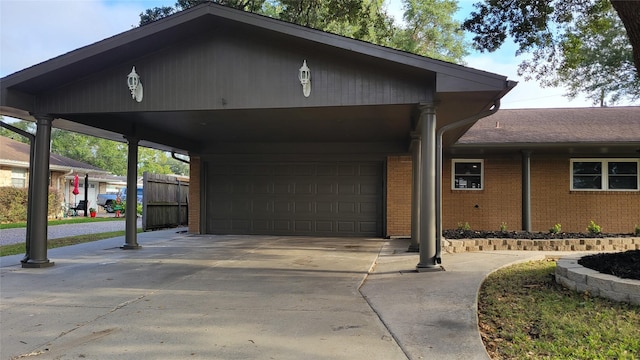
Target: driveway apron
x=196, y=297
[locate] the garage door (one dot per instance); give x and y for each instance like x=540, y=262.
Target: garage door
x=323, y=198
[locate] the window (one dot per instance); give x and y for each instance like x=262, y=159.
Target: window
x=604, y=174
x=467, y=174
x=19, y=178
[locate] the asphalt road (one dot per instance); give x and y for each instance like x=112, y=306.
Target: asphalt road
x=13, y=236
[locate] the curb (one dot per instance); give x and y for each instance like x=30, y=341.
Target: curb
x=576, y=277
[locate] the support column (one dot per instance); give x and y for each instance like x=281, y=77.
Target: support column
x=86, y=195
x=37, y=226
x=427, y=131
x=131, y=215
x=414, y=246
x=526, y=190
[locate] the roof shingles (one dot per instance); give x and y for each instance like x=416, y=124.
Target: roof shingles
x=568, y=125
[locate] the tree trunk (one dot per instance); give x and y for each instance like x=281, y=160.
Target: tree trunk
x=629, y=12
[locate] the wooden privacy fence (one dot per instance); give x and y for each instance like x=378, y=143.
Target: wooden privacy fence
x=164, y=202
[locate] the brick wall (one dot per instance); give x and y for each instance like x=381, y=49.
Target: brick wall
x=553, y=202
x=501, y=199
x=399, y=178
x=194, y=194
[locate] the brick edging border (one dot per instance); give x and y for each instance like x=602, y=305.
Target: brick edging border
x=576, y=277
x=595, y=244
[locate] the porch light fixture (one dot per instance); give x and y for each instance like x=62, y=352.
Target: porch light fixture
x=305, y=79
x=135, y=86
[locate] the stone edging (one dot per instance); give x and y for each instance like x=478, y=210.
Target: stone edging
x=592, y=244
x=576, y=277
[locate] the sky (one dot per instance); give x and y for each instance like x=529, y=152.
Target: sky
x=33, y=31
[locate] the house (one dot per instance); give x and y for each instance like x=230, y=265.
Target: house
x=14, y=171
x=290, y=130
x=533, y=168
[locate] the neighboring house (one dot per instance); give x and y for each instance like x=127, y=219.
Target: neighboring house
x=14, y=171
x=583, y=164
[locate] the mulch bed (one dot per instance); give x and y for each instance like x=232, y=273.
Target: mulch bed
x=523, y=235
x=624, y=265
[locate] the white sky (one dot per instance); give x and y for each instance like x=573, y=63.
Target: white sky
x=33, y=31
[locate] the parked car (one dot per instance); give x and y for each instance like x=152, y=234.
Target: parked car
x=108, y=201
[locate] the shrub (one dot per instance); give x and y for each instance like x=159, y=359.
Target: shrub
x=13, y=204
x=503, y=227
x=464, y=226
x=594, y=228
x=636, y=231
x=556, y=229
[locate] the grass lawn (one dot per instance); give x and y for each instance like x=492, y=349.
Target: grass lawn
x=15, y=249
x=70, y=220
x=523, y=313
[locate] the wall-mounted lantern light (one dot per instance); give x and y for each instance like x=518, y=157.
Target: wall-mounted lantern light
x=305, y=79
x=135, y=86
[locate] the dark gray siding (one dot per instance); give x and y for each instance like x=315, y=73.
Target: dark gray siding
x=294, y=198
x=242, y=71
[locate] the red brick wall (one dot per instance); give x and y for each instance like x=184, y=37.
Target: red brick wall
x=501, y=199
x=553, y=202
x=194, y=194
x=399, y=195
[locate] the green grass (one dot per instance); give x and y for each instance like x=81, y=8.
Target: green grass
x=16, y=249
x=523, y=313
x=71, y=220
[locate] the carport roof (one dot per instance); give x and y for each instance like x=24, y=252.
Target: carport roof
x=454, y=83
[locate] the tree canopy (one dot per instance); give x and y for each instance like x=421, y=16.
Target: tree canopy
x=589, y=46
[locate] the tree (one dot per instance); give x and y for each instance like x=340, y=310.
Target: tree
x=431, y=30
x=576, y=43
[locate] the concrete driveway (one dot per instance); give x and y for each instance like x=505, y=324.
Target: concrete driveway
x=196, y=297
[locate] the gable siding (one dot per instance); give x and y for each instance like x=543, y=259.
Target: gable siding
x=220, y=71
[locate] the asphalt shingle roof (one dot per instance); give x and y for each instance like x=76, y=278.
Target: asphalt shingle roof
x=567, y=125
x=17, y=152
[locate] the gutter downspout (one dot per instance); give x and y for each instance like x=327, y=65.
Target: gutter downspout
x=173, y=155
x=467, y=121
x=32, y=155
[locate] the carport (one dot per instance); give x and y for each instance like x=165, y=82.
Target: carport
x=288, y=129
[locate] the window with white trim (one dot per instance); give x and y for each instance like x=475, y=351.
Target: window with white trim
x=605, y=174
x=19, y=177
x=467, y=174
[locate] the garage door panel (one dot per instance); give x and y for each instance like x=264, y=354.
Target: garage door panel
x=304, y=188
x=304, y=207
x=347, y=189
x=282, y=226
x=328, y=198
x=347, y=227
x=281, y=188
x=325, y=188
x=303, y=226
x=324, y=208
x=348, y=208
x=261, y=225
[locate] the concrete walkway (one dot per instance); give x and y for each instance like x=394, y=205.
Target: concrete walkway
x=243, y=297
